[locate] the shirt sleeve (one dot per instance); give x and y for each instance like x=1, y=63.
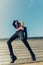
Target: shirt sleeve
x=14, y=24
x=25, y=31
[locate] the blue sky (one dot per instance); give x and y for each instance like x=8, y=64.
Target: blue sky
x=29, y=11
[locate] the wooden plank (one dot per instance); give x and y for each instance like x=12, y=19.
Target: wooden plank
x=23, y=55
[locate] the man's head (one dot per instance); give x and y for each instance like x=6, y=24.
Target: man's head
x=22, y=23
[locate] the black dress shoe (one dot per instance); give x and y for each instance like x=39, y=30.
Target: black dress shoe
x=13, y=59
x=33, y=57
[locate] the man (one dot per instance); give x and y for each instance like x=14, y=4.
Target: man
x=22, y=34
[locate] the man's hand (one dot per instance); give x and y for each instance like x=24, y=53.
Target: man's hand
x=20, y=28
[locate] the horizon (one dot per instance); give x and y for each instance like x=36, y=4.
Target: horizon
x=27, y=38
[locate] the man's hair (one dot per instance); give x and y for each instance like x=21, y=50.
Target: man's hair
x=22, y=23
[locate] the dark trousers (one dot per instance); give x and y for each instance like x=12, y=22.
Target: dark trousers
x=19, y=34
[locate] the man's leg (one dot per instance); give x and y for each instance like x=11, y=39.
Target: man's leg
x=29, y=48
x=13, y=57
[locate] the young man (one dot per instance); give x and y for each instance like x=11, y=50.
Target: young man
x=22, y=34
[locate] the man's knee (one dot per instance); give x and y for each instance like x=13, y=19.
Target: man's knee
x=23, y=40
x=8, y=42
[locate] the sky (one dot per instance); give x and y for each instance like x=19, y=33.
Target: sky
x=28, y=11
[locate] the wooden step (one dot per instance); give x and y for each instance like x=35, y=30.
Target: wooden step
x=20, y=50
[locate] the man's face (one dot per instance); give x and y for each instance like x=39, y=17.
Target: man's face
x=22, y=23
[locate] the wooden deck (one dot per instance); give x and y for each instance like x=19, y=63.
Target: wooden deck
x=22, y=53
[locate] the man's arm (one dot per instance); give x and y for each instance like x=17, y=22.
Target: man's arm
x=14, y=23
x=25, y=30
